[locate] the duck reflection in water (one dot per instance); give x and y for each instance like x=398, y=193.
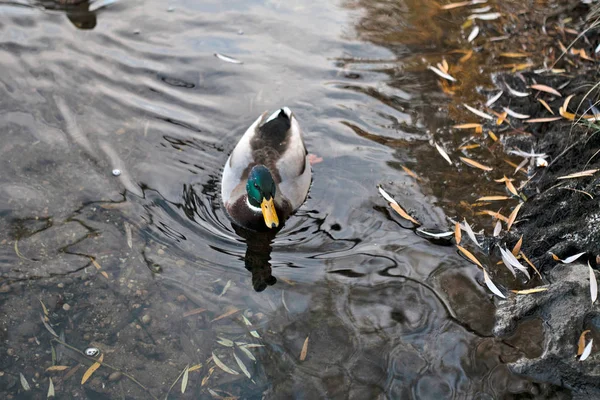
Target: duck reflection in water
x=78, y=11
x=258, y=256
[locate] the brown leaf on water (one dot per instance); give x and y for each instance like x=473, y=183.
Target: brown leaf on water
x=475, y=164
x=581, y=174
x=547, y=89
x=403, y=213
x=57, y=368
x=193, y=312
x=104, y=274
x=410, y=173
x=98, y=267
x=92, y=369
x=493, y=136
x=493, y=198
x=517, y=249
x=227, y=314
x=531, y=264
x=546, y=106
x=494, y=214
x=469, y=255
x=539, y=120
x=513, y=216
x=581, y=344
x=457, y=233
x=304, y=349
x=478, y=127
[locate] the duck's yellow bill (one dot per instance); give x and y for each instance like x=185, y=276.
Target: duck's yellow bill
x=269, y=213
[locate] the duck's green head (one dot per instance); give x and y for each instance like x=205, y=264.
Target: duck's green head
x=261, y=193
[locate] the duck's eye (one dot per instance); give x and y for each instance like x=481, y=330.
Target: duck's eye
x=256, y=185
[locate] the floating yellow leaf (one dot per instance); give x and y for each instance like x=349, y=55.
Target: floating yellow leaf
x=530, y=291
x=92, y=369
x=513, y=216
x=304, y=350
x=493, y=198
x=409, y=172
x=469, y=255
x=457, y=233
x=475, y=164
x=547, y=89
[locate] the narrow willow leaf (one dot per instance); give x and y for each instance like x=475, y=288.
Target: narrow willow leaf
x=128, y=235
x=228, y=59
x=224, y=367
x=494, y=99
x=537, y=120
x=486, y=17
x=255, y=334
x=227, y=314
x=531, y=264
x=530, y=291
x=493, y=198
x=468, y=126
x=92, y=369
x=493, y=214
x=517, y=249
x=513, y=216
x=48, y=327
x=581, y=344
x=470, y=232
x=441, y=73
x=587, y=351
x=475, y=164
x=517, y=93
x=225, y=342
x=478, y=113
x=569, y=260
x=227, y=286
x=394, y=204
x=435, y=235
x=24, y=382
x=50, y=389
x=304, y=349
x=516, y=114
x=507, y=262
x=473, y=34
x=546, y=106
x=514, y=262
x=470, y=256
x=410, y=172
x=514, y=55
x=511, y=188
x=44, y=308
x=452, y=6
x=491, y=285
x=386, y=196
x=581, y=174
x=497, y=228
x=247, y=352
x=194, y=368
x=57, y=368
x=193, y=312
x=593, y=284
x=457, y=233
x=242, y=366
x=547, y=89
x=184, y=380
x=443, y=153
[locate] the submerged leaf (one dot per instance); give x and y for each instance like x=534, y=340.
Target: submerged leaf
x=227, y=314
x=478, y=113
x=469, y=255
x=24, y=382
x=475, y=164
x=50, y=389
x=547, y=89
x=491, y=285
x=242, y=366
x=184, y=380
x=470, y=232
x=224, y=367
x=92, y=369
x=228, y=59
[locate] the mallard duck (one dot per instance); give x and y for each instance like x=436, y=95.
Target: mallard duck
x=268, y=174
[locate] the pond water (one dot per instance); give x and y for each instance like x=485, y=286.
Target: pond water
x=378, y=311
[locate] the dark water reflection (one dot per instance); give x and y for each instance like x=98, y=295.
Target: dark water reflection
x=387, y=313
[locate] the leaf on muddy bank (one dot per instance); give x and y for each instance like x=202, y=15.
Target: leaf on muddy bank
x=475, y=164
x=593, y=284
x=581, y=174
x=470, y=256
x=24, y=383
x=581, y=343
x=493, y=136
x=473, y=34
x=497, y=229
x=394, y=204
x=493, y=198
x=567, y=260
x=457, y=233
x=540, y=120
x=92, y=369
x=547, y=89
x=184, y=379
x=514, y=55
x=478, y=127
x=222, y=366
x=501, y=118
x=586, y=351
x=546, y=106
x=452, y=6
x=304, y=349
x=516, y=93
x=477, y=112
x=513, y=216
x=515, y=114
x=494, y=99
x=530, y=291
x=441, y=73
x=531, y=264
x=485, y=17
x=469, y=146
x=512, y=260
x=491, y=285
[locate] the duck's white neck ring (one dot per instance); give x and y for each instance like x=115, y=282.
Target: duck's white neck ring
x=255, y=209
